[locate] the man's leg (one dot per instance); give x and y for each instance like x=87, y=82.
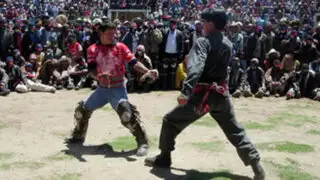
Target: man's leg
x=40, y=87
x=164, y=74
x=223, y=113
x=173, y=124
x=21, y=88
x=4, y=91
x=84, y=111
x=172, y=73
x=130, y=118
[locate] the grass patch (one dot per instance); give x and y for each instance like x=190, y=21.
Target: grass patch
x=107, y=108
x=255, y=125
x=59, y=157
x=291, y=172
x=291, y=119
x=128, y=143
x=294, y=120
x=84, y=91
x=66, y=176
x=6, y=156
x=22, y=164
x=215, y=175
x=214, y=146
x=206, y=121
x=313, y=132
x=310, y=105
x=3, y=126
x=286, y=146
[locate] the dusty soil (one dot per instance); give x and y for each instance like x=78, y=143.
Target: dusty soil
x=33, y=127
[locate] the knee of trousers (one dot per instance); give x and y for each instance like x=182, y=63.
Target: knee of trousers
x=129, y=115
x=81, y=114
x=124, y=112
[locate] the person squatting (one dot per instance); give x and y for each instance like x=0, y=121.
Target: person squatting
x=106, y=63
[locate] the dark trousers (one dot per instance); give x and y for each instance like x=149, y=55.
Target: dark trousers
x=154, y=60
x=168, y=71
x=222, y=111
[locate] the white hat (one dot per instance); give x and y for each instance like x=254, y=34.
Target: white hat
x=97, y=21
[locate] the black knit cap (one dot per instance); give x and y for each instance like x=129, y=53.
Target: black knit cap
x=106, y=25
x=217, y=15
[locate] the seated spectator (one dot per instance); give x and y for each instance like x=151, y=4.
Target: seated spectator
x=253, y=80
x=56, y=51
x=4, y=78
x=305, y=84
x=31, y=83
x=146, y=61
x=235, y=75
x=272, y=55
x=275, y=81
x=37, y=58
x=315, y=66
x=61, y=76
x=78, y=73
x=16, y=81
x=74, y=49
x=18, y=59
x=288, y=63
x=47, y=68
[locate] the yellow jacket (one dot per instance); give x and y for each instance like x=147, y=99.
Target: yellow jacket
x=181, y=75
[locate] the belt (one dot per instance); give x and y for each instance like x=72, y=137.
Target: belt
x=220, y=88
x=111, y=81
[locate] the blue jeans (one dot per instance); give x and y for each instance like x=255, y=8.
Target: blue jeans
x=102, y=96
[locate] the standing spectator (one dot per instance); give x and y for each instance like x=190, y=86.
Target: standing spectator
x=151, y=38
x=172, y=51
x=6, y=40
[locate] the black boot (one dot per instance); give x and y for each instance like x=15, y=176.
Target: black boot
x=259, y=173
x=162, y=160
x=73, y=140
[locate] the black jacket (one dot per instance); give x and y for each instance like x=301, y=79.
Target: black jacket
x=208, y=61
x=179, y=38
x=6, y=44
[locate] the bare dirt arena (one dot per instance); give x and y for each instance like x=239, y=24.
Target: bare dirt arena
x=33, y=127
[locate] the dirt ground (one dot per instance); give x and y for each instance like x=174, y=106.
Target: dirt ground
x=33, y=127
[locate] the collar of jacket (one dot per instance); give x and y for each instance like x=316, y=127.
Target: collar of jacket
x=112, y=44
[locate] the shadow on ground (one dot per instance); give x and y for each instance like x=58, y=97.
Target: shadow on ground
x=192, y=174
x=79, y=150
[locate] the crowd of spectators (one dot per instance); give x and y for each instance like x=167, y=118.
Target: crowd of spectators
x=276, y=44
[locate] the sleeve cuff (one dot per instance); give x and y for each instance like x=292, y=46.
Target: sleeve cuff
x=132, y=62
x=184, y=96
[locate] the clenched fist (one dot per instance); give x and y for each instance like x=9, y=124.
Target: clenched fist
x=153, y=74
x=182, y=99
